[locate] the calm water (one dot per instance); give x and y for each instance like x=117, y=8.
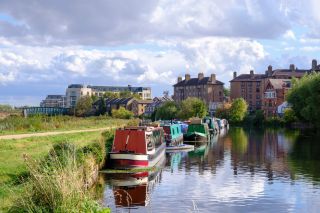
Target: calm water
x=239, y=171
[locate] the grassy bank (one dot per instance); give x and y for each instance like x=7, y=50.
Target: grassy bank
x=18, y=124
x=13, y=167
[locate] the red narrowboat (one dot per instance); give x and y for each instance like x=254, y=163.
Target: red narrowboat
x=137, y=147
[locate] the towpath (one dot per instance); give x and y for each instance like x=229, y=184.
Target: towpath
x=28, y=135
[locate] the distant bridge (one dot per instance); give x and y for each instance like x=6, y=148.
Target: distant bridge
x=45, y=111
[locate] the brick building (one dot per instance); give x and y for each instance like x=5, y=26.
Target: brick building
x=252, y=87
x=208, y=89
x=274, y=95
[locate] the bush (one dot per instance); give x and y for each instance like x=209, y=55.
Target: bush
x=258, y=118
x=167, y=111
x=57, y=183
x=192, y=107
x=121, y=113
x=289, y=116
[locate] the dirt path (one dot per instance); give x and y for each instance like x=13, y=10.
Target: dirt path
x=28, y=135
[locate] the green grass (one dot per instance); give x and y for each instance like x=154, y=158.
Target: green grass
x=18, y=124
x=13, y=167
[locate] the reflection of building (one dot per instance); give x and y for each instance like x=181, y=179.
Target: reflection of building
x=54, y=101
x=208, y=89
x=75, y=91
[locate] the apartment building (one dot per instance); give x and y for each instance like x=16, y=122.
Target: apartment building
x=75, y=91
x=252, y=87
x=208, y=89
x=54, y=101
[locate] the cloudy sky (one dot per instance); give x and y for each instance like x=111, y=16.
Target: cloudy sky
x=46, y=45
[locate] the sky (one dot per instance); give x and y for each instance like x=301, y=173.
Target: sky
x=46, y=45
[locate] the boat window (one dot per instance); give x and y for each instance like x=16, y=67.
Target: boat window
x=173, y=131
x=178, y=130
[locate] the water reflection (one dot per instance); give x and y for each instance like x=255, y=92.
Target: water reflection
x=239, y=170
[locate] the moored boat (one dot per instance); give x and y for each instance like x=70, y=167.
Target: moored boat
x=172, y=134
x=213, y=128
x=198, y=132
x=137, y=147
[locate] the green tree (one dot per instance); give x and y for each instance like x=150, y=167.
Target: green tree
x=238, y=110
x=289, y=116
x=258, y=118
x=121, y=113
x=94, y=98
x=128, y=94
x=102, y=108
x=83, y=105
x=305, y=98
x=167, y=111
x=226, y=91
x=192, y=107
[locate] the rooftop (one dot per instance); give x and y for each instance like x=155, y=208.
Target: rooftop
x=197, y=81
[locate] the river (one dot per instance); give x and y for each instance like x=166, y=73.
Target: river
x=238, y=171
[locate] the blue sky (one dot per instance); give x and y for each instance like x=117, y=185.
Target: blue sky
x=46, y=45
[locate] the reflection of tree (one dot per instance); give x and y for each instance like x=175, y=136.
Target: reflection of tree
x=304, y=157
x=239, y=140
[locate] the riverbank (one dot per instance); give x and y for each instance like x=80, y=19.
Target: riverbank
x=35, y=124
x=13, y=169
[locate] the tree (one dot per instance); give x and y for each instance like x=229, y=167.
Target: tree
x=224, y=111
x=192, y=107
x=128, y=94
x=94, y=98
x=289, y=116
x=167, y=111
x=226, y=92
x=305, y=98
x=83, y=105
x=238, y=110
x=121, y=113
x=102, y=108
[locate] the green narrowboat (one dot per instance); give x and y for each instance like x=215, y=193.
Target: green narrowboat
x=173, y=134
x=197, y=132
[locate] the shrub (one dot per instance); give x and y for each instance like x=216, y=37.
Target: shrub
x=57, y=184
x=121, y=113
x=289, y=116
x=192, y=107
x=167, y=111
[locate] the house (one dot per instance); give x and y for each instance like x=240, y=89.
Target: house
x=116, y=103
x=138, y=106
x=274, y=95
x=282, y=107
x=156, y=103
x=54, y=101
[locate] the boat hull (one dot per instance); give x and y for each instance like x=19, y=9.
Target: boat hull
x=122, y=160
x=195, y=139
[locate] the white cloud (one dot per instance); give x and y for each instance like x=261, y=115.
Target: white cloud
x=289, y=35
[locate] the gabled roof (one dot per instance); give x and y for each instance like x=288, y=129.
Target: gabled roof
x=280, y=83
x=118, y=100
x=196, y=81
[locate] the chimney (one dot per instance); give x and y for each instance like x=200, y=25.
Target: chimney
x=269, y=72
x=187, y=77
x=213, y=78
x=251, y=74
x=292, y=68
x=200, y=75
x=314, y=64
x=179, y=79
x=234, y=74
